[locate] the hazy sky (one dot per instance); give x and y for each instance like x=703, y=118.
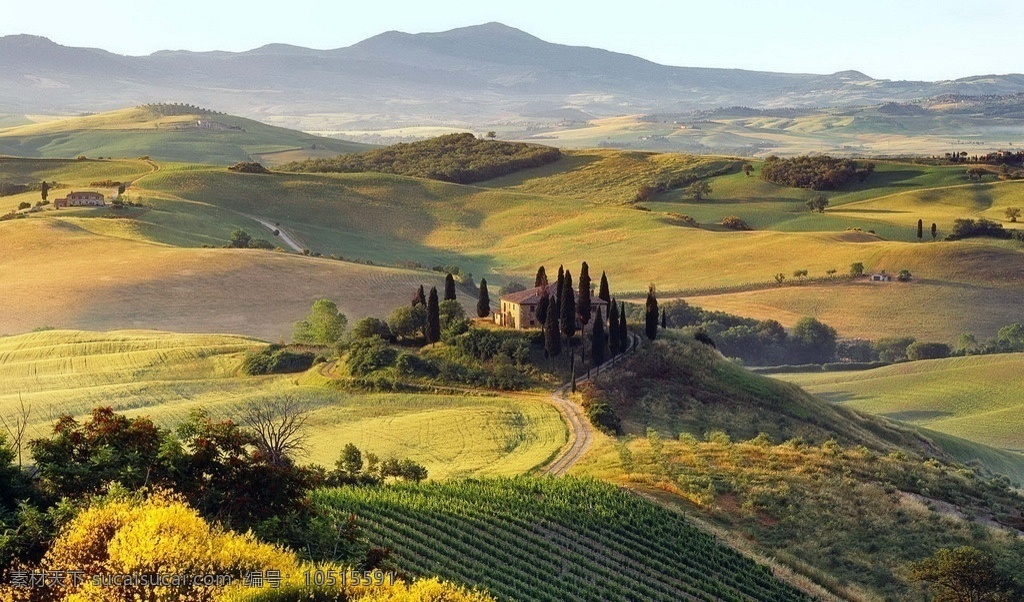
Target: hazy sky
x=895, y=39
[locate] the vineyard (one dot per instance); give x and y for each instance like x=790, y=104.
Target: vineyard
x=553, y=539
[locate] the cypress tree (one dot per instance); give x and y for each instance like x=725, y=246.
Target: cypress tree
x=419, y=298
x=558, y=292
x=583, y=306
x=603, y=293
x=542, y=306
x=599, y=339
x=935, y=230
x=541, y=279
x=568, y=309
x=664, y=319
x=449, y=288
x=433, y=317
x=44, y=190
x=920, y=229
x=552, y=338
x=613, y=328
x=623, y=329
x=483, y=302
x=651, y=315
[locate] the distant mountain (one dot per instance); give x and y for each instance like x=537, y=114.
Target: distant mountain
x=466, y=75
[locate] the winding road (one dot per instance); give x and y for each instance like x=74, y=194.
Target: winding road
x=581, y=432
x=284, y=236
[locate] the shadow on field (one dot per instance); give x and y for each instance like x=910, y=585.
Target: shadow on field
x=917, y=415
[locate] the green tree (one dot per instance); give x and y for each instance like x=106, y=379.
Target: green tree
x=904, y=276
x=651, y=314
x=552, y=337
x=583, y=304
x=623, y=329
x=935, y=231
x=369, y=327
x=613, y=328
x=747, y=169
x=433, y=317
x=453, y=317
x=698, y=190
x=920, y=229
x=44, y=190
x=323, y=326
x=351, y=461
x=369, y=355
x=420, y=297
x=813, y=342
x=857, y=269
x=963, y=574
x=817, y=203
x=240, y=239
x=409, y=322
x=1012, y=213
x=449, y=287
x=24, y=205
x=603, y=292
x=568, y=309
x=541, y=278
x=599, y=339
x=491, y=135
x=543, y=306
x=483, y=301
x=927, y=351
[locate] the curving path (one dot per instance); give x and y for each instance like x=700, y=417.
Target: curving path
x=581, y=432
x=284, y=236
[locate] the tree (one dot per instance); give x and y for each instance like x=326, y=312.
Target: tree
x=491, y=135
x=16, y=427
x=651, y=314
x=279, y=426
x=962, y=574
x=351, y=461
x=434, y=317
x=599, y=340
x=449, y=287
x=483, y=301
x=240, y=239
x=613, y=328
x=927, y=351
x=419, y=297
x=370, y=327
x=698, y=190
x=747, y=169
x=568, y=309
x=780, y=278
x=541, y=279
x=583, y=305
x=813, y=342
x=920, y=229
x=1012, y=213
x=935, y=231
x=453, y=318
x=856, y=269
x=543, y=306
x=817, y=203
x=409, y=322
x=664, y=319
x=623, y=329
x=603, y=292
x=512, y=286
x=24, y=205
x=904, y=276
x=323, y=326
x=44, y=190
x=552, y=338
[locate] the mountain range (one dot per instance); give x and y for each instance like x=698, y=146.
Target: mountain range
x=477, y=74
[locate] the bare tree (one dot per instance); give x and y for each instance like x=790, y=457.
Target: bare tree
x=16, y=427
x=279, y=425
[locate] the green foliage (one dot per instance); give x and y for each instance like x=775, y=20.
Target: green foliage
x=371, y=327
x=369, y=355
x=607, y=543
x=433, y=331
x=651, y=314
x=969, y=228
x=892, y=349
x=249, y=167
x=734, y=223
x=324, y=325
x=927, y=351
x=240, y=239
x=600, y=412
x=459, y=158
x=698, y=190
x=964, y=573
x=818, y=203
x=449, y=287
x=904, y=276
x=856, y=269
x=512, y=286
x=819, y=172
x=812, y=340
x=408, y=322
x=276, y=359
x=483, y=301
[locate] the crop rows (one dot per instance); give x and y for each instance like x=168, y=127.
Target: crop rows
x=553, y=539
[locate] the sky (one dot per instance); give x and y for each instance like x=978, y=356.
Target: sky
x=890, y=39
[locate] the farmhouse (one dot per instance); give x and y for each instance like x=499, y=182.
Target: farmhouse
x=881, y=277
x=80, y=199
x=519, y=310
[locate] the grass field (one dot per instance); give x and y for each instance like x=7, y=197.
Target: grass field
x=975, y=398
x=164, y=376
x=147, y=131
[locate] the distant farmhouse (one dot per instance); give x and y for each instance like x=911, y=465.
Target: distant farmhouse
x=881, y=277
x=80, y=199
x=519, y=310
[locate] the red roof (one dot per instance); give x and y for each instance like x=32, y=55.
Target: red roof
x=531, y=296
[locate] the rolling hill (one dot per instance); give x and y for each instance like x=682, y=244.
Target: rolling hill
x=166, y=132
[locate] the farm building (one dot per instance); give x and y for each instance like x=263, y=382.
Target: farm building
x=519, y=310
x=881, y=277
x=80, y=199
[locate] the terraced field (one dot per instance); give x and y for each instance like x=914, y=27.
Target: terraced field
x=164, y=376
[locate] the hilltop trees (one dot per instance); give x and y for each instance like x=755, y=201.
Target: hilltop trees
x=433, y=317
x=449, y=287
x=483, y=301
x=817, y=173
x=651, y=314
x=323, y=326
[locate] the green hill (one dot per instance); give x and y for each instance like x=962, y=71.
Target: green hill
x=165, y=133
x=553, y=539
x=974, y=398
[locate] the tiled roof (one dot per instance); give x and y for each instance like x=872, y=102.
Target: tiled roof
x=531, y=296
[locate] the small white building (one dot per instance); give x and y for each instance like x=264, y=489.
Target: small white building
x=881, y=277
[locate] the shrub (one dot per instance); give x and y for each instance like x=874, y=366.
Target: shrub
x=927, y=351
x=735, y=223
x=249, y=167
x=369, y=355
x=276, y=359
x=817, y=173
x=371, y=327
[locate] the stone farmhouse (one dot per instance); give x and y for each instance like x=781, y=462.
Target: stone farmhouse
x=80, y=199
x=519, y=310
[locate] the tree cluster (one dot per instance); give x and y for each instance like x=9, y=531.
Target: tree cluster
x=459, y=158
x=249, y=167
x=819, y=172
